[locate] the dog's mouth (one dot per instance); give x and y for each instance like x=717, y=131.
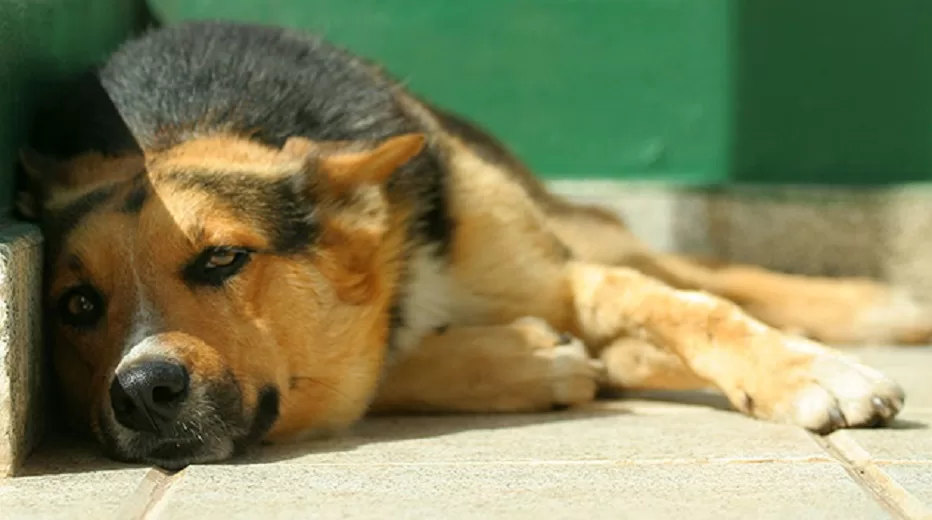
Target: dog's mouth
x=212, y=428
x=178, y=452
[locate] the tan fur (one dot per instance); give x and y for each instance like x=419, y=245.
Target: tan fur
x=226, y=153
x=637, y=364
x=522, y=366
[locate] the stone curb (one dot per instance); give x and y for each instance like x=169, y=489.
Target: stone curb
x=21, y=396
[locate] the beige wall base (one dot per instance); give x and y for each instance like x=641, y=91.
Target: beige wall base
x=880, y=233
x=21, y=410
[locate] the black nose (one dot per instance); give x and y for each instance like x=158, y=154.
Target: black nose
x=148, y=396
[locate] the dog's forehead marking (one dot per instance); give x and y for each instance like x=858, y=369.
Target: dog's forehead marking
x=280, y=209
x=137, y=196
x=71, y=215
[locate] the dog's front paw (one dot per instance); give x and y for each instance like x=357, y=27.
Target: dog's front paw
x=823, y=390
x=574, y=375
x=845, y=394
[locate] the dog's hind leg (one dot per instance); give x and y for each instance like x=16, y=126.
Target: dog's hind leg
x=840, y=311
x=762, y=371
x=523, y=366
x=832, y=310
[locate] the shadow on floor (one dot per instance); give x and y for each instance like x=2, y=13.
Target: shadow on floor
x=60, y=455
x=718, y=402
x=410, y=427
x=905, y=424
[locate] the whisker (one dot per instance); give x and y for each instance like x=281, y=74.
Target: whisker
x=322, y=384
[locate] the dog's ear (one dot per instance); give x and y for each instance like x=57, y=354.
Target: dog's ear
x=372, y=166
x=35, y=175
x=348, y=186
x=37, y=166
x=347, y=165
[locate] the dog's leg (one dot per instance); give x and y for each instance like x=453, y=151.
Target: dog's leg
x=832, y=310
x=635, y=364
x=762, y=371
x=520, y=367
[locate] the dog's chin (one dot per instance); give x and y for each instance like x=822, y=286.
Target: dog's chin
x=211, y=432
x=176, y=455
x=169, y=453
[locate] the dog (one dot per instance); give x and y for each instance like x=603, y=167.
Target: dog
x=254, y=236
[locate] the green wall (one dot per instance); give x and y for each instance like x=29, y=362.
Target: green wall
x=41, y=40
x=687, y=91
x=588, y=88
x=802, y=91
x=834, y=90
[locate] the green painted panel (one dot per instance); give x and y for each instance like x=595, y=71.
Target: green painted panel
x=585, y=88
x=828, y=91
x=833, y=91
x=41, y=41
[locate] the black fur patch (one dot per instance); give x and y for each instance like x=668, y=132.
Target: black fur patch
x=204, y=76
x=69, y=217
x=265, y=415
x=136, y=198
x=283, y=207
x=396, y=322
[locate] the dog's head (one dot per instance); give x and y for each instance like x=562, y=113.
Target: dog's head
x=219, y=292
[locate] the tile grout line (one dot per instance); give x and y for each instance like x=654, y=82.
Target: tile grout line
x=584, y=462
x=145, y=502
x=893, y=497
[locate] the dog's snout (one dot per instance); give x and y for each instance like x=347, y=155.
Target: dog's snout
x=148, y=396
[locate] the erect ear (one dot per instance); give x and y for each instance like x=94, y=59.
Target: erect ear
x=346, y=166
x=37, y=166
x=372, y=166
x=35, y=174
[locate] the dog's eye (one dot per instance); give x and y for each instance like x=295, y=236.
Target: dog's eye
x=216, y=264
x=223, y=258
x=81, y=307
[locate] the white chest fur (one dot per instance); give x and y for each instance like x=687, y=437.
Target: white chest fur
x=433, y=299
